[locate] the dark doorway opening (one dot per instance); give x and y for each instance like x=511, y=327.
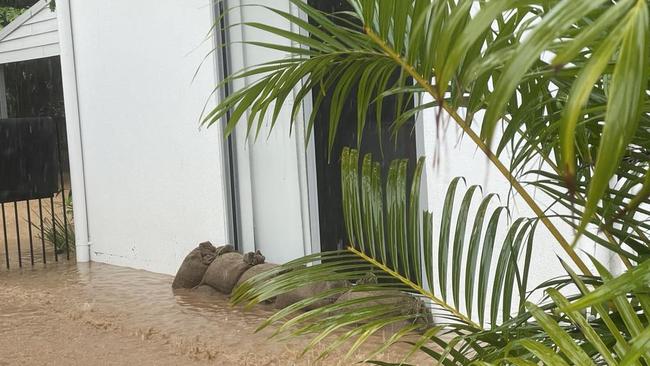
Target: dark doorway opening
x=382, y=145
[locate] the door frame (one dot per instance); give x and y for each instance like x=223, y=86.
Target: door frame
x=238, y=188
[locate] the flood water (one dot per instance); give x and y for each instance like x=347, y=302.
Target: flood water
x=66, y=313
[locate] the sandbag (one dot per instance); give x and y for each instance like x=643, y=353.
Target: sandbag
x=224, y=272
x=205, y=290
x=254, y=258
x=391, y=297
x=310, y=290
x=255, y=270
x=225, y=249
x=194, y=266
x=407, y=305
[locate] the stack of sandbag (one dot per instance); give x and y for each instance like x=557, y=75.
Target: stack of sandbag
x=208, y=270
x=196, y=264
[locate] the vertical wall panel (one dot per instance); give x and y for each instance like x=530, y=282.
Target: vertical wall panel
x=153, y=178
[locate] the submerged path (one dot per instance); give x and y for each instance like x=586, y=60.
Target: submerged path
x=97, y=314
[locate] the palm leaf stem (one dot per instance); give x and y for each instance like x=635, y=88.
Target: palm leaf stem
x=415, y=287
x=599, y=218
x=568, y=248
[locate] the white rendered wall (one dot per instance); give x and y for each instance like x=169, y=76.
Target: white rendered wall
x=153, y=179
x=459, y=156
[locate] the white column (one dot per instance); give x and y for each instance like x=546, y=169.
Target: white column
x=73, y=128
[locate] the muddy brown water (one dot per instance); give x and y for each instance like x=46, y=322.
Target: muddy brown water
x=69, y=314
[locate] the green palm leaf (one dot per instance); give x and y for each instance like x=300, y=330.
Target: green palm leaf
x=616, y=334
x=401, y=262
x=403, y=49
x=566, y=83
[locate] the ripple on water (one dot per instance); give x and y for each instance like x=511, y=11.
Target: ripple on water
x=143, y=298
x=144, y=303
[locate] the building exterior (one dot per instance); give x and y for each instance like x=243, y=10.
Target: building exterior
x=155, y=184
x=149, y=184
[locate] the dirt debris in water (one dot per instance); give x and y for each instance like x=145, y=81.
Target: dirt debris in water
x=97, y=314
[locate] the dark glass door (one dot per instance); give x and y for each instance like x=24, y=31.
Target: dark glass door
x=382, y=146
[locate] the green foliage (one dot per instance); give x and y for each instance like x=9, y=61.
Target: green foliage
x=557, y=89
x=11, y=9
x=391, y=238
x=57, y=231
x=8, y=14
x=532, y=100
x=494, y=324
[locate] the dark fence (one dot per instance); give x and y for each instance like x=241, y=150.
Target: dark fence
x=34, y=191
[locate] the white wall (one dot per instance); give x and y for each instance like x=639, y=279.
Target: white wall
x=153, y=179
x=459, y=156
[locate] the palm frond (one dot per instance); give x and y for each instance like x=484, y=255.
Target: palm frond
x=391, y=239
x=493, y=68
x=616, y=332
x=561, y=90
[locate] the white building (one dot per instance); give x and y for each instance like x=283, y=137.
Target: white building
x=148, y=183
x=155, y=184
